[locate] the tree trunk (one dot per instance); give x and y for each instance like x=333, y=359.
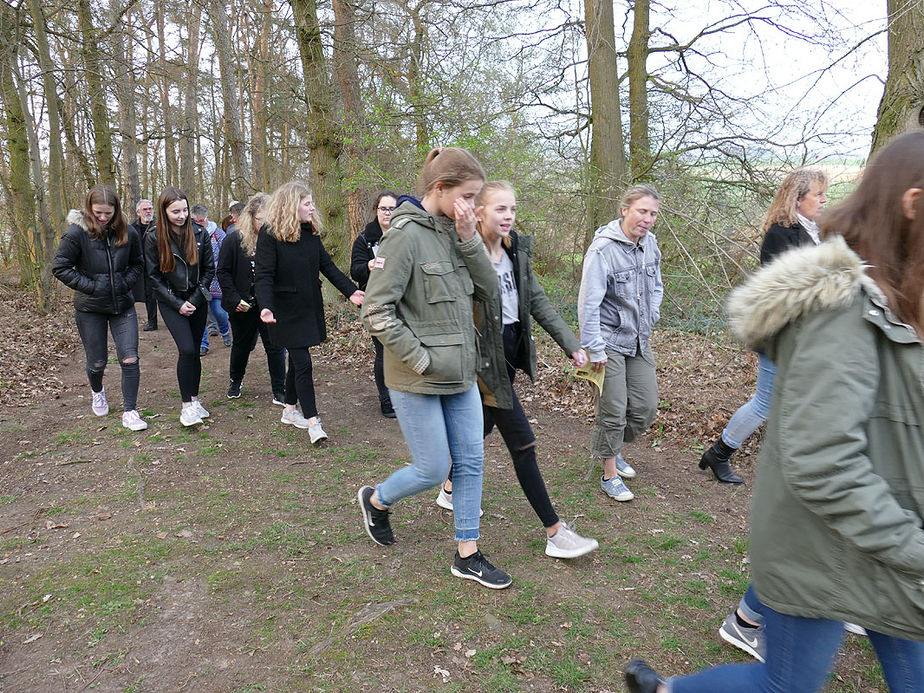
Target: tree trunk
x=902, y=104
x=258, y=104
x=232, y=111
x=607, y=151
x=190, y=111
x=93, y=65
x=324, y=138
x=125, y=93
x=639, y=146
x=170, y=163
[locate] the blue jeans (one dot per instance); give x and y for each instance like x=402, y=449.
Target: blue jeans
x=800, y=653
x=752, y=413
x=440, y=429
x=221, y=317
x=751, y=606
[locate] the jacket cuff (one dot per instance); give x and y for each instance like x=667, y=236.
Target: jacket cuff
x=422, y=363
x=596, y=356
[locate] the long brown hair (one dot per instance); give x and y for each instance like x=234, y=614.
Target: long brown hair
x=874, y=224
x=450, y=166
x=793, y=189
x=184, y=236
x=282, y=212
x=104, y=194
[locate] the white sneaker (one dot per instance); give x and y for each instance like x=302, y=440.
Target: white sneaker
x=566, y=543
x=444, y=500
x=189, y=416
x=316, y=433
x=294, y=417
x=854, y=628
x=623, y=468
x=200, y=410
x=100, y=406
x=132, y=421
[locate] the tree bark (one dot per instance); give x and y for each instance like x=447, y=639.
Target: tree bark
x=93, y=65
x=170, y=163
x=232, y=111
x=639, y=146
x=190, y=132
x=125, y=93
x=902, y=104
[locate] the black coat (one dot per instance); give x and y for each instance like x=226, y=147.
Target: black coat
x=186, y=282
x=100, y=272
x=362, y=252
x=779, y=238
x=287, y=282
x=235, y=273
x=143, y=230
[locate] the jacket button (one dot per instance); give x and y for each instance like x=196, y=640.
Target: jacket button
x=874, y=313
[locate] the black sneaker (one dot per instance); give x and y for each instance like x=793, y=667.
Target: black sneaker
x=279, y=398
x=375, y=521
x=388, y=411
x=150, y=327
x=476, y=567
x=234, y=389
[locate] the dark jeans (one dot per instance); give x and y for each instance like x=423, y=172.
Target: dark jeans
x=518, y=437
x=124, y=329
x=378, y=371
x=299, y=385
x=245, y=328
x=187, y=333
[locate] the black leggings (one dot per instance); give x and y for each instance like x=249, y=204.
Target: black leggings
x=187, y=333
x=299, y=385
x=246, y=327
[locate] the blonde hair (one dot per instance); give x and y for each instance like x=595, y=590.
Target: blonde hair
x=450, y=166
x=246, y=224
x=481, y=198
x=282, y=212
x=637, y=192
x=794, y=188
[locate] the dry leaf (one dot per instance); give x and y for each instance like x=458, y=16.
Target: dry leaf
x=31, y=638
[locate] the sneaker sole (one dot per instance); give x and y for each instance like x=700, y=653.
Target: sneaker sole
x=315, y=441
x=481, y=581
x=237, y=396
x=555, y=552
x=292, y=423
x=621, y=499
x=367, y=517
x=192, y=423
x=740, y=644
x=135, y=428
x=626, y=475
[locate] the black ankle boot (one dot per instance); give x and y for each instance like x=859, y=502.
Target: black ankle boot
x=716, y=458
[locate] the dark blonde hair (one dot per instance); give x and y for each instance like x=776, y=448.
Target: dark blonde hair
x=485, y=193
x=450, y=166
x=873, y=222
x=104, y=194
x=245, y=223
x=637, y=192
x=282, y=212
x=185, y=238
x=793, y=189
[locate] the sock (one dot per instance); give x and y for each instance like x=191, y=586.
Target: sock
x=742, y=622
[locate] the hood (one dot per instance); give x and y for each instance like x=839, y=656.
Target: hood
x=409, y=209
x=799, y=281
x=613, y=231
x=373, y=231
x=75, y=217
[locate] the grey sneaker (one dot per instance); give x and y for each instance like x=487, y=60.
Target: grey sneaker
x=623, y=468
x=190, y=416
x=566, y=543
x=99, y=405
x=616, y=489
x=751, y=640
x=316, y=433
x=200, y=410
x=294, y=417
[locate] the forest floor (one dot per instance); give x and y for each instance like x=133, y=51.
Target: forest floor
x=231, y=557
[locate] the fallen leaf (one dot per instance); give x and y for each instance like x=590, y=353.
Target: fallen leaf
x=31, y=638
x=469, y=653
x=55, y=525
x=161, y=535
x=103, y=516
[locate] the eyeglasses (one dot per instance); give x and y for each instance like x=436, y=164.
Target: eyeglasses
x=386, y=210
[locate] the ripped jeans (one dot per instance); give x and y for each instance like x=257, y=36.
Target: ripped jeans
x=124, y=328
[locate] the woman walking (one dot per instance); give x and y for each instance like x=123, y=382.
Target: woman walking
x=429, y=268
x=289, y=258
x=180, y=267
x=100, y=258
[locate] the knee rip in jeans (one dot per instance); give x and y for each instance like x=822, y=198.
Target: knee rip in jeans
x=130, y=361
x=97, y=367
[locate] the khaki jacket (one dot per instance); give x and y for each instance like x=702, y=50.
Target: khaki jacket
x=419, y=302
x=836, y=523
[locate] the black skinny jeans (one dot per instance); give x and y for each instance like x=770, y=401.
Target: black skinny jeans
x=245, y=328
x=378, y=371
x=124, y=329
x=187, y=333
x=299, y=385
x=518, y=437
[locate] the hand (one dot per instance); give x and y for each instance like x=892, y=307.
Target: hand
x=465, y=216
x=187, y=309
x=266, y=315
x=598, y=366
x=241, y=307
x=357, y=298
x=579, y=358
x=369, y=264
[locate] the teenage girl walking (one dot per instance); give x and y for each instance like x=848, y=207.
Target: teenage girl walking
x=289, y=258
x=429, y=268
x=100, y=259
x=507, y=344
x=180, y=267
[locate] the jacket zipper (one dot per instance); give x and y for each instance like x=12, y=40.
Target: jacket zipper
x=115, y=303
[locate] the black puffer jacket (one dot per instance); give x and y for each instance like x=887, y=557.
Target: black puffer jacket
x=100, y=272
x=363, y=251
x=186, y=282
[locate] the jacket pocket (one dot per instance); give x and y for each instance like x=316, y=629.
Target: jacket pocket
x=445, y=358
x=439, y=282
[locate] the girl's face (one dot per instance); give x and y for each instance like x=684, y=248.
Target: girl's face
x=103, y=213
x=305, y=209
x=498, y=214
x=466, y=191
x=177, y=212
x=811, y=205
x=384, y=210
x=258, y=218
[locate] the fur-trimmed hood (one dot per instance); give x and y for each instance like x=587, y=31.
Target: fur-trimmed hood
x=75, y=217
x=798, y=281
